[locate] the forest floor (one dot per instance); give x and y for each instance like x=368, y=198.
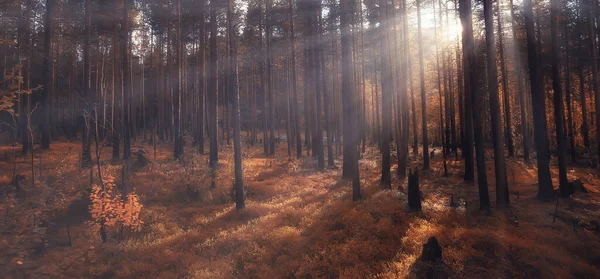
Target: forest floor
x=298, y=222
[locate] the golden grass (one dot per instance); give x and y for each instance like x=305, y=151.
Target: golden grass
x=298, y=223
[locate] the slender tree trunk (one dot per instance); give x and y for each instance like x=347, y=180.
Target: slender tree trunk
x=86, y=155
x=296, y=116
x=584, y=124
x=473, y=108
x=568, y=97
x=115, y=129
x=558, y=101
x=520, y=92
x=545, y=190
x=178, y=148
x=402, y=159
x=47, y=70
x=25, y=46
x=439, y=83
x=596, y=82
x=386, y=96
x=126, y=82
x=202, y=81
x=468, y=70
x=274, y=123
x=350, y=168
x=326, y=102
x=502, y=194
x=212, y=85
x=505, y=89
x=237, y=145
x=423, y=95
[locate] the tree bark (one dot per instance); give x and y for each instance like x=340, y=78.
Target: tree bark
x=558, y=101
x=47, y=70
x=423, y=95
x=502, y=194
x=350, y=169
x=212, y=85
x=545, y=190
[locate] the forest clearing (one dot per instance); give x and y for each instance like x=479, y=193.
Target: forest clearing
x=299, y=139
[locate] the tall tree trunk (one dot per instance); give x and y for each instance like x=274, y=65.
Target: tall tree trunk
x=318, y=78
x=212, y=85
x=502, y=194
x=296, y=116
x=126, y=81
x=505, y=90
x=423, y=95
x=26, y=50
x=596, y=82
x=237, y=145
x=520, y=91
x=473, y=107
x=47, y=70
x=86, y=155
x=402, y=159
x=467, y=47
x=439, y=83
x=115, y=129
x=274, y=123
x=584, y=124
x=178, y=148
x=568, y=97
x=202, y=85
x=386, y=96
x=350, y=167
x=545, y=190
x=326, y=97
x=558, y=101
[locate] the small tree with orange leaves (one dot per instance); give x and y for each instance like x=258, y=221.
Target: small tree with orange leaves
x=109, y=209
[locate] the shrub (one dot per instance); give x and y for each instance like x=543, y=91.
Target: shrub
x=109, y=209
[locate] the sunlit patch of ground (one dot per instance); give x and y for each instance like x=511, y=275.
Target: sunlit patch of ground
x=298, y=222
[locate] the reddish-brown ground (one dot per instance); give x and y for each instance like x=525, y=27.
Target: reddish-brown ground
x=298, y=222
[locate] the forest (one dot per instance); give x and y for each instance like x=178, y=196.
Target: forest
x=299, y=139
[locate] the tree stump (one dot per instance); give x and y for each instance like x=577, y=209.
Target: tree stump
x=432, y=251
x=140, y=159
x=16, y=182
x=414, y=195
x=574, y=186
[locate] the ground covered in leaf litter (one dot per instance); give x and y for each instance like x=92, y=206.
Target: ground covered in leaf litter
x=298, y=222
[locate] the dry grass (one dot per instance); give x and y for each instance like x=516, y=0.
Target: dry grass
x=298, y=223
